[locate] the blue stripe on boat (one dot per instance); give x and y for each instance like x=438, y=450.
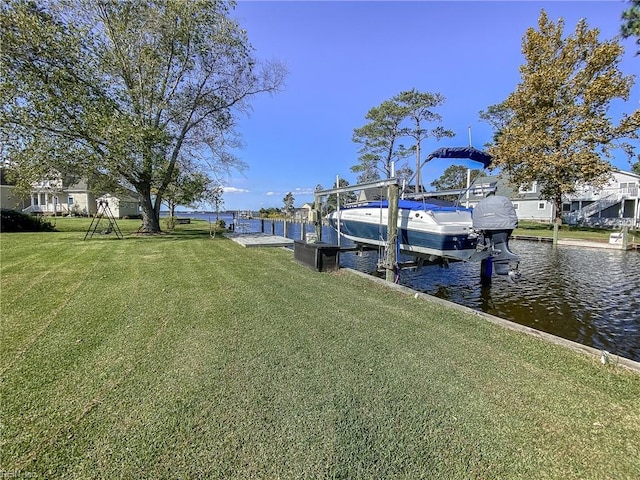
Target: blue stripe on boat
x=368, y=231
x=411, y=205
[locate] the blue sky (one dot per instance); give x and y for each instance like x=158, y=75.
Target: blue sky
x=344, y=58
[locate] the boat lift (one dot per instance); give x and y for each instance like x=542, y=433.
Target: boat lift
x=390, y=262
x=494, y=226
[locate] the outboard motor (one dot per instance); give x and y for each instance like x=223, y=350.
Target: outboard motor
x=495, y=218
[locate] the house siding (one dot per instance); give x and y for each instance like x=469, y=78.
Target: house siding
x=74, y=197
x=620, y=208
x=10, y=201
x=121, y=207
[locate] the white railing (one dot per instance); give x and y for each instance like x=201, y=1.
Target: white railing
x=588, y=194
x=60, y=208
x=603, y=203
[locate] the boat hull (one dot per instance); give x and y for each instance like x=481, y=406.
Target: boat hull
x=423, y=234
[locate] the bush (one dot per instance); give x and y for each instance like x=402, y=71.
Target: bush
x=171, y=222
x=13, y=221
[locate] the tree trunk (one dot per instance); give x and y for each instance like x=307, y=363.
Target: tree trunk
x=558, y=207
x=150, y=218
x=558, y=217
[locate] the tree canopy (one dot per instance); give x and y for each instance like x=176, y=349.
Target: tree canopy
x=379, y=140
x=288, y=204
x=187, y=189
x=126, y=89
x=403, y=116
x=555, y=128
x=631, y=22
x=345, y=198
x=454, y=178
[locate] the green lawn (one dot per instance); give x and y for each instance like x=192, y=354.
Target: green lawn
x=567, y=232
x=183, y=356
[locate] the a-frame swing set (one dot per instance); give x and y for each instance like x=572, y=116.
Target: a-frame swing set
x=104, y=212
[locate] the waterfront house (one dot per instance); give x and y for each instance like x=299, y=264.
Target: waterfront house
x=61, y=196
x=614, y=205
x=303, y=214
x=528, y=203
x=72, y=195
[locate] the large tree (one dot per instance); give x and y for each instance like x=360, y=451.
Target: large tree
x=379, y=141
x=126, y=89
x=631, y=28
x=405, y=116
x=419, y=107
x=554, y=129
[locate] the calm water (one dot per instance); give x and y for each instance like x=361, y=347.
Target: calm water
x=590, y=296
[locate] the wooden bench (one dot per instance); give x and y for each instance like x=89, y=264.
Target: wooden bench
x=182, y=221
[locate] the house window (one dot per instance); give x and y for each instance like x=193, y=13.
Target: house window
x=541, y=205
x=528, y=188
x=566, y=207
x=515, y=206
x=69, y=200
x=627, y=187
x=481, y=189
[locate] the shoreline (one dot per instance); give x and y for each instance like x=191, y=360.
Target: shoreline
x=577, y=242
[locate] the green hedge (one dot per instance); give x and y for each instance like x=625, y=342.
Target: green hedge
x=13, y=221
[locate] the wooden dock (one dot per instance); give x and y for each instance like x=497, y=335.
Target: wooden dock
x=249, y=240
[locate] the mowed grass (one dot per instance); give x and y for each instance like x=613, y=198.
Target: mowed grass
x=568, y=232
x=183, y=356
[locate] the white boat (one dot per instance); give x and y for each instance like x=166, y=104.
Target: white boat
x=424, y=229
x=438, y=233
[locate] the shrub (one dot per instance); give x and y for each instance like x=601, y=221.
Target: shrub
x=171, y=223
x=13, y=221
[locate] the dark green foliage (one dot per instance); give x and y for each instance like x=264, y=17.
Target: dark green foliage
x=631, y=22
x=13, y=221
x=454, y=177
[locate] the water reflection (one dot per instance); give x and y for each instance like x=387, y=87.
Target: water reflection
x=586, y=295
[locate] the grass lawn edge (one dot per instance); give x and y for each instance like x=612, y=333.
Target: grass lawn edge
x=575, y=346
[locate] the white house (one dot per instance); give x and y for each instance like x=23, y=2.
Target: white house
x=73, y=196
x=55, y=196
x=616, y=204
